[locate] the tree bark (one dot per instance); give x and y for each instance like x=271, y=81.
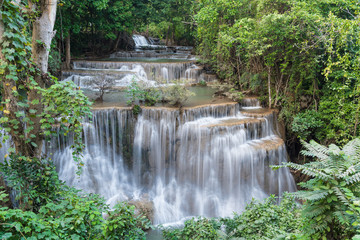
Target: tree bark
x=167, y=36
x=42, y=35
x=116, y=45
x=68, y=52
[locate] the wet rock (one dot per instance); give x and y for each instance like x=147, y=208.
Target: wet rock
x=143, y=206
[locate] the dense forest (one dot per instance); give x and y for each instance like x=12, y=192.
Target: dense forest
x=301, y=57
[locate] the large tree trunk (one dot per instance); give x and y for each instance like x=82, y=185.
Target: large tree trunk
x=68, y=52
x=42, y=34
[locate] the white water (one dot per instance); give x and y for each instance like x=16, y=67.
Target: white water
x=120, y=74
x=205, y=161
x=5, y=145
x=140, y=41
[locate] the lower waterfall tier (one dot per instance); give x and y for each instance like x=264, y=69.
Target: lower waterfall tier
x=208, y=160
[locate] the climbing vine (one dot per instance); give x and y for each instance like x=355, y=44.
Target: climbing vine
x=57, y=106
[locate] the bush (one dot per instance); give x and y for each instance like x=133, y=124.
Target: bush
x=200, y=228
x=260, y=220
x=142, y=92
x=74, y=217
x=122, y=223
x=177, y=93
x=305, y=123
x=35, y=180
x=265, y=220
x=52, y=210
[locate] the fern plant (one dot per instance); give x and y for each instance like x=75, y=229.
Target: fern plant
x=331, y=199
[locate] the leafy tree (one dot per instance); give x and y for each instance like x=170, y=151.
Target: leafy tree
x=287, y=51
x=32, y=101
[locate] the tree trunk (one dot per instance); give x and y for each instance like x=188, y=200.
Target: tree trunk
x=116, y=45
x=167, y=36
x=269, y=85
x=42, y=34
x=68, y=52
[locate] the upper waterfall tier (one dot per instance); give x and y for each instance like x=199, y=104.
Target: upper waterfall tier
x=208, y=160
x=88, y=74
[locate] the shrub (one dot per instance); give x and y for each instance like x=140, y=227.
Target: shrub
x=177, y=93
x=143, y=92
x=260, y=220
x=305, y=123
x=331, y=209
x=35, y=180
x=200, y=228
x=74, y=217
x=122, y=223
x=265, y=220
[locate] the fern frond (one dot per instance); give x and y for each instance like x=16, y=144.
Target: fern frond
x=314, y=211
x=311, y=195
x=309, y=170
x=348, y=172
x=334, y=149
x=352, y=148
x=353, y=179
x=341, y=196
x=315, y=149
x=342, y=218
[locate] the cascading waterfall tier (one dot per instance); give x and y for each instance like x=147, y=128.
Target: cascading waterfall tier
x=88, y=74
x=208, y=160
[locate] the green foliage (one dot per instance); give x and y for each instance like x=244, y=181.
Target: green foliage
x=68, y=103
x=202, y=83
x=305, y=123
x=91, y=23
x=75, y=216
x=122, y=223
x=265, y=220
x=54, y=61
x=136, y=109
x=31, y=108
x=200, y=228
x=176, y=93
x=260, y=220
x=294, y=48
x=330, y=196
x=133, y=91
x=35, y=180
x=171, y=20
x=143, y=93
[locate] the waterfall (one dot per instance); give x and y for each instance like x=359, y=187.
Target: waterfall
x=140, y=41
x=208, y=160
x=5, y=145
x=120, y=74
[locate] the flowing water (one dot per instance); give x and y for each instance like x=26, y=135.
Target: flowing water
x=207, y=159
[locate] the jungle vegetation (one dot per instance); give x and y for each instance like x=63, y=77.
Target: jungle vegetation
x=300, y=56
